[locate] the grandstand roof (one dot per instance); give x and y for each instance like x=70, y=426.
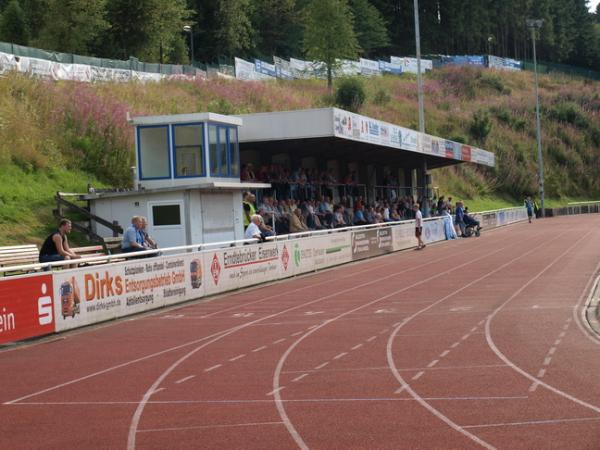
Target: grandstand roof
x=335, y=133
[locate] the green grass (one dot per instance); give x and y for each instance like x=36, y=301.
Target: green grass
x=60, y=136
x=27, y=201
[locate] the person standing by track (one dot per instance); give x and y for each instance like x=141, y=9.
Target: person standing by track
x=418, y=226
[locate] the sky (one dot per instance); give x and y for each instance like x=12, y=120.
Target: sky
x=593, y=4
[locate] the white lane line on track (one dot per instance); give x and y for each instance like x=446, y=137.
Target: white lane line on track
x=235, y=358
x=141, y=405
x=258, y=401
x=276, y=391
x=433, y=363
x=444, y=353
x=513, y=366
x=456, y=344
x=533, y=422
x=278, y=403
x=297, y=334
x=562, y=334
x=541, y=373
x=557, y=342
x=406, y=369
x=304, y=375
x=259, y=349
x=183, y=380
x=356, y=347
x=216, y=366
x=473, y=330
x=465, y=337
x=320, y=366
x=552, y=350
x=399, y=377
x=547, y=360
x=385, y=330
x=341, y=355
x=417, y=376
x=279, y=340
x=533, y=387
x=372, y=338
x=204, y=427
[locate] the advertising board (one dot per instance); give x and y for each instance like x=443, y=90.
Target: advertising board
x=238, y=267
x=309, y=254
x=26, y=307
x=95, y=294
x=371, y=242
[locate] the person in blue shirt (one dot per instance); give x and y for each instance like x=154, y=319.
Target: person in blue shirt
x=529, y=206
x=133, y=238
x=460, y=217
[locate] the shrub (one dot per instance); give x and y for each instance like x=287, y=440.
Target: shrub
x=350, y=94
x=480, y=126
x=381, y=98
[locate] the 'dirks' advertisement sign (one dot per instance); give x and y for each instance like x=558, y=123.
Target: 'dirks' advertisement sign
x=372, y=242
x=25, y=307
x=90, y=295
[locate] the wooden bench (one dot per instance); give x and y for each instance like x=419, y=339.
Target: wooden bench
x=112, y=245
x=19, y=255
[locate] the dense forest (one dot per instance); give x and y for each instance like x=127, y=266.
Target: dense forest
x=152, y=30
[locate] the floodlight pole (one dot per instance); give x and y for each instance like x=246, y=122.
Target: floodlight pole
x=190, y=29
x=425, y=206
x=533, y=25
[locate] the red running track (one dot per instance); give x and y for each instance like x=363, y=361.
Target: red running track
x=476, y=343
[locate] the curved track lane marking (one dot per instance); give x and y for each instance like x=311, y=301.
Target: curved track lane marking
x=145, y=399
x=277, y=375
x=499, y=354
x=406, y=386
x=581, y=318
x=226, y=331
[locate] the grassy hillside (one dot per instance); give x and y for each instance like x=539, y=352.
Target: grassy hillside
x=62, y=136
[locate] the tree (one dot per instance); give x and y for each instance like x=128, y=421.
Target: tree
x=73, y=25
x=130, y=27
x=369, y=26
x=329, y=33
x=234, y=30
x=278, y=28
x=13, y=26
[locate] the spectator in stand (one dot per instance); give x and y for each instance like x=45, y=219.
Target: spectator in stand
x=56, y=245
x=249, y=208
x=253, y=230
x=297, y=224
x=339, y=221
x=265, y=230
x=359, y=217
x=133, y=239
x=148, y=241
x=247, y=173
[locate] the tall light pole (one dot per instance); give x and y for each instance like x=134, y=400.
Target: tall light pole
x=190, y=29
x=534, y=24
x=421, y=104
x=419, y=79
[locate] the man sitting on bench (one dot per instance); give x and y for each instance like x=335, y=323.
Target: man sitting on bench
x=56, y=246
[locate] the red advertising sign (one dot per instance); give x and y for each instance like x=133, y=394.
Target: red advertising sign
x=466, y=153
x=26, y=308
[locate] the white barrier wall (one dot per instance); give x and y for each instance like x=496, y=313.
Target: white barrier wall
x=89, y=295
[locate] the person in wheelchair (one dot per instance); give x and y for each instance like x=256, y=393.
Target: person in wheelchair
x=472, y=225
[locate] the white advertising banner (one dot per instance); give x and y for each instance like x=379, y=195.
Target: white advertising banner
x=433, y=231
x=369, y=67
x=484, y=157
x=309, y=254
x=238, y=267
x=347, y=68
x=95, y=294
x=8, y=62
x=404, y=236
x=410, y=64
